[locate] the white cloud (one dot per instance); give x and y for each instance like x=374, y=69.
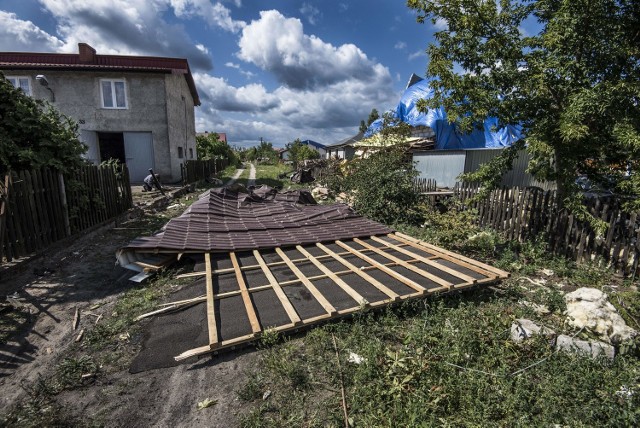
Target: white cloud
x=310, y=12
x=17, y=35
x=400, y=46
x=278, y=45
x=232, y=65
x=416, y=55
x=441, y=24
x=221, y=96
x=212, y=13
x=125, y=27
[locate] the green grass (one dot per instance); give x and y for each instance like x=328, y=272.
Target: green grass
x=443, y=362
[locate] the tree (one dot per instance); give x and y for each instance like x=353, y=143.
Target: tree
x=573, y=87
x=33, y=134
x=209, y=146
x=299, y=152
x=373, y=116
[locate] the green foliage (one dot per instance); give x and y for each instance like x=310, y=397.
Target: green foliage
x=209, y=146
x=373, y=116
x=381, y=186
x=574, y=87
x=299, y=152
x=33, y=134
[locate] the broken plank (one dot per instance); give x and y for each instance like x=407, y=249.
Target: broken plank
x=284, y=300
x=211, y=311
x=312, y=288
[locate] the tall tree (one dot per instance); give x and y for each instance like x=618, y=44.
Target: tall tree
x=574, y=86
x=373, y=116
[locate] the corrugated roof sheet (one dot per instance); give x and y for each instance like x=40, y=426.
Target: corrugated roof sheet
x=222, y=220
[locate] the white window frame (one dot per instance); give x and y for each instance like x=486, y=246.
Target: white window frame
x=17, y=80
x=113, y=94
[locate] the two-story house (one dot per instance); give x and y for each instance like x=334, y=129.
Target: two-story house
x=137, y=109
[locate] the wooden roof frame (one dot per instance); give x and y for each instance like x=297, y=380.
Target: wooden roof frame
x=418, y=251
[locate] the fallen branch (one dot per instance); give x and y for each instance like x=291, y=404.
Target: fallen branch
x=76, y=319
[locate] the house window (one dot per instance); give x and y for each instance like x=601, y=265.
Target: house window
x=114, y=93
x=21, y=82
x=180, y=153
x=190, y=153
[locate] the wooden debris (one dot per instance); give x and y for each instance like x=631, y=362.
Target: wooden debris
x=79, y=336
x=76, y=319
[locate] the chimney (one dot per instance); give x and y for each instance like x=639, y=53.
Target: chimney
x=87, y=53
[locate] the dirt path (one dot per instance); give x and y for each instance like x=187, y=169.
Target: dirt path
x=252, y=175
x=235, y=177
x=83, y=275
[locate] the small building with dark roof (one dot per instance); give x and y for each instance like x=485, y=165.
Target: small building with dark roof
x=344, y=149
x=137, y=109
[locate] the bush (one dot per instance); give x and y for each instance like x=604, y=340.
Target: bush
x=33, y=134
x=381, y=186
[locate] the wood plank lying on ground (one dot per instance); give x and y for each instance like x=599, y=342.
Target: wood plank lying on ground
x=353, y=284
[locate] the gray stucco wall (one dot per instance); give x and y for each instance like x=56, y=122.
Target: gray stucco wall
x=78, y=95
x=181, y=121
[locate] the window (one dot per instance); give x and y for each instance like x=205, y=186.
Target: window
x=180, y=153
x=190, y=153
x=114, y=93
x=21, y=82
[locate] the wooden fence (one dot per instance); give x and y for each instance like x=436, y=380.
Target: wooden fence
x=424, y=185
x=196, y=170
x=42, y=206
x=525, y=213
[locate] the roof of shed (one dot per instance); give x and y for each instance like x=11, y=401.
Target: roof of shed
x=223, y=220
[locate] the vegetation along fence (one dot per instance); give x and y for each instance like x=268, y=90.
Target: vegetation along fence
x=523, y=213
x=196, y=170
x=42, y=206
x=424, y=185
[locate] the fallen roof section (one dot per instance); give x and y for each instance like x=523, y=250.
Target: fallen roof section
x=244, y=294
x=222, y=220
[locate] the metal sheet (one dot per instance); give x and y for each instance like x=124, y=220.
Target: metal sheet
x=442, y=165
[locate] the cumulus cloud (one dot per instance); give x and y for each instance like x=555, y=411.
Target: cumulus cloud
x=311, y=13
x=220, y=95
x=279, y=45
x=17, y=35
x=212, y=13
x=128, y=27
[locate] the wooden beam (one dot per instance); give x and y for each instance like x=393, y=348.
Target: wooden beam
x=211, y=311
x=427, y=261
x=316, y=293
x=383, y=268
x=273, y=282
x=248, y=304
x=450, y=256
x=371, y=280
x=405, y=265
x=346, y=287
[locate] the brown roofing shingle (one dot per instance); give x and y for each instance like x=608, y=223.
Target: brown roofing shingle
x=223, y=220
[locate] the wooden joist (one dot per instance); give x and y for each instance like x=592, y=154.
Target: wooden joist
x=461, y=272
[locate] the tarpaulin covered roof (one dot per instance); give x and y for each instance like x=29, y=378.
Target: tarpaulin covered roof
x=223, y=220
x=448, y=136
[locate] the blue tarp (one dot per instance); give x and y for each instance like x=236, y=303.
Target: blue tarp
x=448, y=137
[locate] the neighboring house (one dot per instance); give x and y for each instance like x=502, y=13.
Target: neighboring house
x=283, y=154
x=320, y=148
x=221, y=135
x=344, y=149
x=137, y=109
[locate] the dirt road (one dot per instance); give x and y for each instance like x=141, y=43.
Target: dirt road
x=82, y=275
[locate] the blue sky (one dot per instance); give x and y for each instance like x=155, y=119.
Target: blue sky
x=276, y=69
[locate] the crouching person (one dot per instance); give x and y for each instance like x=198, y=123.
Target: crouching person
x=150, y=183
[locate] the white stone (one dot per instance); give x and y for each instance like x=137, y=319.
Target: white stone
x=355, y=358
x=593, y=349
x=523, y=329
x=589, y=308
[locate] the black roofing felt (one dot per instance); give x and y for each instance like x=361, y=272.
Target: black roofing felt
x=223, y=220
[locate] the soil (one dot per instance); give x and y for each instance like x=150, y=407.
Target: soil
x=83, y=275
